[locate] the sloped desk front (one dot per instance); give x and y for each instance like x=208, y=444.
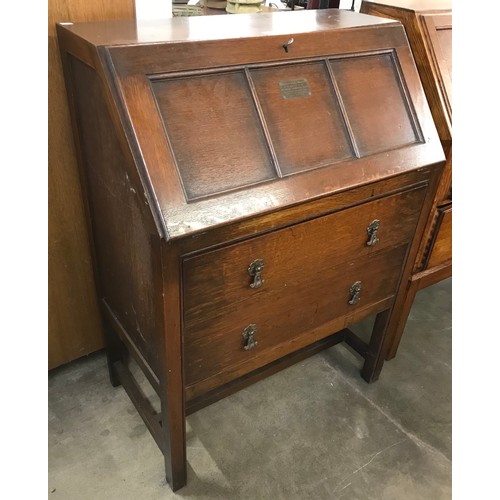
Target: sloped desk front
x=254, y=185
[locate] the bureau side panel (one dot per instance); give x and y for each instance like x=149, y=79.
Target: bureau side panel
x=126, y=243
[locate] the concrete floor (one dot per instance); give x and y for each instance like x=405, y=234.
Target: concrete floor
x=313, y=431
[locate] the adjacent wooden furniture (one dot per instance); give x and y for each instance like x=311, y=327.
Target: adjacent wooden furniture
x=428, y=24
x=323, y=4
x=254, y=184
x=74, y=326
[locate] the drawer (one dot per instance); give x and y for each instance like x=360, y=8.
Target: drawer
x=220, y=280
x=281, y=315
x=440, y=250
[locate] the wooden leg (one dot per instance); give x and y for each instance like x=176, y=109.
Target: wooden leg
x=114, y=351
x=174, y=445
x=172, y=384
x=396, y=331
x=375, y=354
x=173, y=416
x=417, y=282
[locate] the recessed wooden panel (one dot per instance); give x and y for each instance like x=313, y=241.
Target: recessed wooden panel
x=133, y=266
x=375, y=102
x=303, y=116
x=439, y=32
x=214, y=132
x=445, y=37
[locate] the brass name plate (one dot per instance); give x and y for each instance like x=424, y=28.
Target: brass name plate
x=293, y=89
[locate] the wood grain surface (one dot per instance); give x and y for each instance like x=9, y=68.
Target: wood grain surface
x=428, y=25
x=174, y=235
x=74, y=327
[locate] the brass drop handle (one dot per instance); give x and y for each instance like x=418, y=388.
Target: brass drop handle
x=287, y=44
x=249, y=335
x=372, y=230
x=255, y=271
x=355, y=292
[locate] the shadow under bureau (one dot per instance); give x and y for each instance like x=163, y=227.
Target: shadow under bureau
x=254, y=185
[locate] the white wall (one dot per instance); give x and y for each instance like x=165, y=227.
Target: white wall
x=346, y=4
x=153, y=9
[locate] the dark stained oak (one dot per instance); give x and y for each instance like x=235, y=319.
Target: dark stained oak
x=379, y=113
x=308, y=301
x=189, y=107
x=428, y=24
x=294, y=122
x=203, y=147
x=327, y=240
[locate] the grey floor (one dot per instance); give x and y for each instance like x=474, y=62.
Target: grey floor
x=313, y=431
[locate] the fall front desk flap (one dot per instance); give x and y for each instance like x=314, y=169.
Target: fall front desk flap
x=228, y=117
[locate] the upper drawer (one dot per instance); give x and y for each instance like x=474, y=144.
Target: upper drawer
x=221, y=278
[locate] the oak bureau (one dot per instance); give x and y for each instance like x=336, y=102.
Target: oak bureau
x=254, y=185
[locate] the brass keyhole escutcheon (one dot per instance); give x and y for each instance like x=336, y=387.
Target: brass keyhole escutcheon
x=372, y=231
x=355, y=292
x=255, y=271
x=249, y=336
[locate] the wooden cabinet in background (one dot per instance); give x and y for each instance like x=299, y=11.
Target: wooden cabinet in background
x=255, y=185
x=428, y=24
x=74, y=326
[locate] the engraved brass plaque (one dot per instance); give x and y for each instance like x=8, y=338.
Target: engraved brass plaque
x=293, y=89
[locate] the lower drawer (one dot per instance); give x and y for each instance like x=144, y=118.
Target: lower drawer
x=440, y=250
x=278, y=317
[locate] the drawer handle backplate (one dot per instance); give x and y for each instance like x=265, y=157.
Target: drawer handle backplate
x=355, y=292
x=249, y=336
x=255, y=271
x=372, y=229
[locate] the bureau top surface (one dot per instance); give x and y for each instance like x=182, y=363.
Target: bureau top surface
x=250, y=114
x=129, y=31
x=415, y=5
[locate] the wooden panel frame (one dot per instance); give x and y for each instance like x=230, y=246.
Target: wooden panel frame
x=133, y=87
